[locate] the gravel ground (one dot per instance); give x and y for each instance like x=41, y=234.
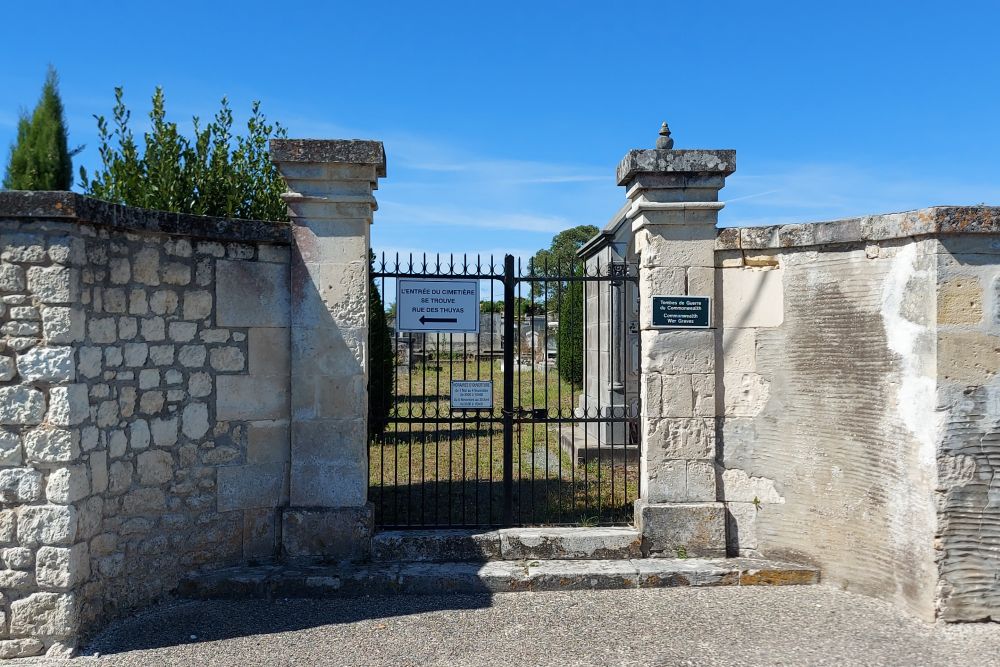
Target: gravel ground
x=802, y=625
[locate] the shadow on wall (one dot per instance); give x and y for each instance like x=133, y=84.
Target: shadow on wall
x=182, y=623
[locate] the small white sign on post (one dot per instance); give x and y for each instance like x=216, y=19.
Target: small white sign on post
x=471, y=394
x=437, y=306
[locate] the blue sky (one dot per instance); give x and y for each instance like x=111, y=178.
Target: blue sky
x=504, y=122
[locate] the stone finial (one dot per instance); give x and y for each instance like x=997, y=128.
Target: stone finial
x=664, y=142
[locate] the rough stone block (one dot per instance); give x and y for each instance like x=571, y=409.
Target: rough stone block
x=69, y=405
x=20, y=648
x=67, y=485
x=342, y=534
x=666, y=480
x=146, y=266
x=62, y=324
x=678, y=352
x=51, y=615
x=227, y=359
x=54, y=284
x=192, y=356
x=52, y=445
x=154, y=467
x=960, y=301
x=197, y=305
x=63, y=568
x=252, y=486
x=969, y=358
x=194, y=420
x=252, y=294
x=569, y=543
x=667, y=396
x=99, y=472
x=685, y=438
x=47, y=364
x=20, y=485
x=330, y=294
x=10, y=449
x=690, y=529
x=701, y=481
x=7, y=369
x=12, y=278
x=677, y=245
x=47, y=524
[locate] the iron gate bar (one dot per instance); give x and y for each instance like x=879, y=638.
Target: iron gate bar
x=508, y=390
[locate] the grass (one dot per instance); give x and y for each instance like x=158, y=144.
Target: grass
x=446, y=472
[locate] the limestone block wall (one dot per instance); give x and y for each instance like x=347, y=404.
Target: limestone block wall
x=857, y=373
x=968, y=407
x=144, y=393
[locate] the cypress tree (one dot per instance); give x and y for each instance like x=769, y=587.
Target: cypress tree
x=570, y=336
x=380, y=360
x=40, y=158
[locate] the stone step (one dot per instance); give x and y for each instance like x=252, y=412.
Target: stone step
x=541, y=543
x=321, y=581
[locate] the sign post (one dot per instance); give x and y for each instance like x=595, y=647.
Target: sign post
x=437, y=306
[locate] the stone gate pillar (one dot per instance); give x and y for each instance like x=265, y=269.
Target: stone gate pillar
x=674, y=209
x=330, y=204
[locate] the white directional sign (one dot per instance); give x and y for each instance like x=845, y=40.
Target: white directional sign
x=437, y=306
x=471, y=394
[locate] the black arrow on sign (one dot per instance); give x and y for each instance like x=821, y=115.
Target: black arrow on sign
x=424, y=319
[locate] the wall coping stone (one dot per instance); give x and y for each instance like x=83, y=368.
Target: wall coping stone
x=657, y=161
x=941, y=220
x=350, y=151
x=61, y=205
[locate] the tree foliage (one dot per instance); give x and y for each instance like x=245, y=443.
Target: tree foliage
x=214, y=172
x=569, y=340
x=559, y=259
x=381, y=360
x=40, y=158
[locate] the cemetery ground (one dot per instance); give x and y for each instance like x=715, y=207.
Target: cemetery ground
x=448, y=472
x=756, y=625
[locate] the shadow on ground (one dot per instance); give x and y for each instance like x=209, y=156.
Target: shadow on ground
x=183, y=622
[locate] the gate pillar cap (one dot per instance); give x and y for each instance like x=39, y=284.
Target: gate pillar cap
x=318, y=151
x=679, y=162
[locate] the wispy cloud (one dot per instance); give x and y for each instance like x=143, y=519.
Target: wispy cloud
x=397, y=213
x=781, y=194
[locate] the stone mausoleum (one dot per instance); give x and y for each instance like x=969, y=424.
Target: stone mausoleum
x=182, y=394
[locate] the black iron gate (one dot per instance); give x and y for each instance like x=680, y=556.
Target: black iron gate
x=560, y=444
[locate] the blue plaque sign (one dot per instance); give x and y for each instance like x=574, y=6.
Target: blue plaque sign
x=682, y=312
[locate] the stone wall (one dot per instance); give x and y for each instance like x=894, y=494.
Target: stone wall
x=144, y=403
x=858, y=368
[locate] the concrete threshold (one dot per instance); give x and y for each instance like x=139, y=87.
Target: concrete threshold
x=539, y=543
x=322, y=581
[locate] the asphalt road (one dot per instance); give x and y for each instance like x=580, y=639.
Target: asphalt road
x=807, y=625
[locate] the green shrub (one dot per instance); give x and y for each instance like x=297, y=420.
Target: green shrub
x=211, y=173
